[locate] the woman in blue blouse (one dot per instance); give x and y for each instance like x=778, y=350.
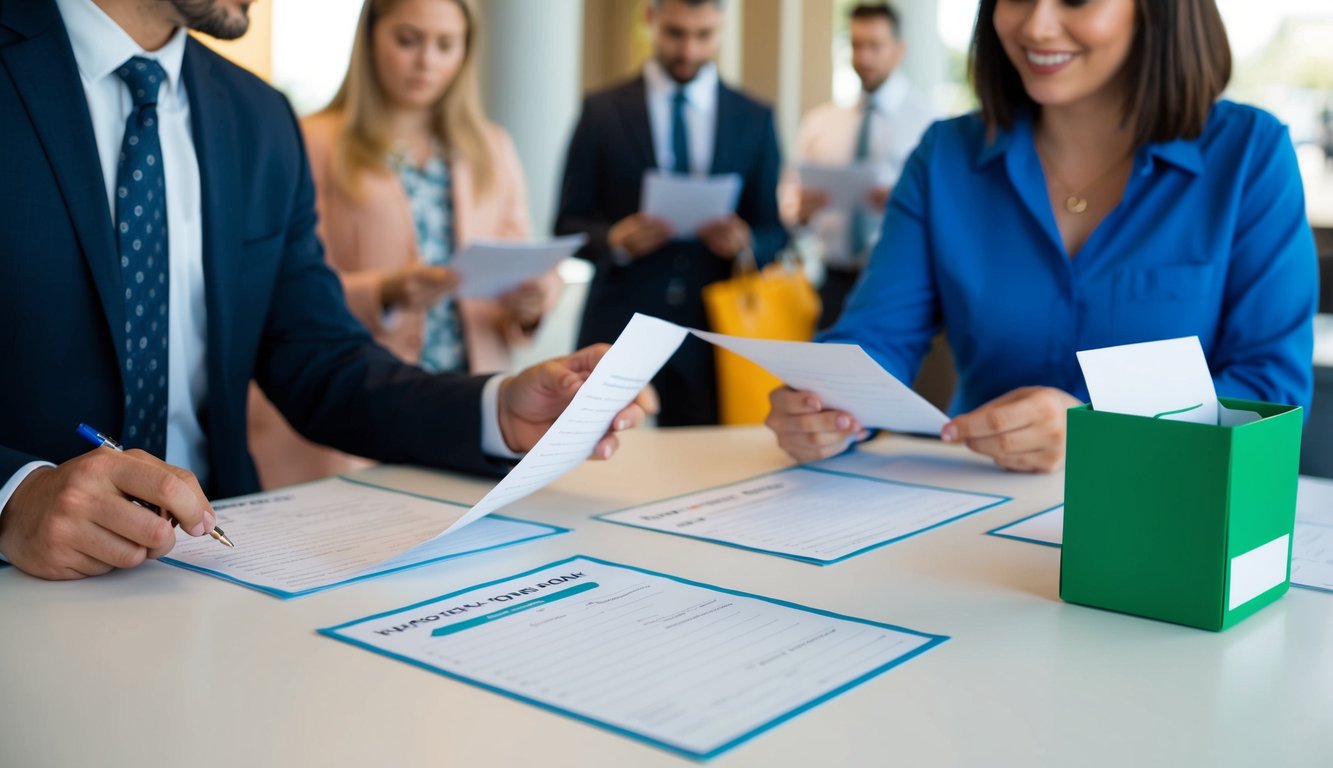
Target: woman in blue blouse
x=1103, y=195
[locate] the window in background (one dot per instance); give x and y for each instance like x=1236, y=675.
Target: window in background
x=1283, y=61
x=954, y=22
x=312, y=43
x=846, y=87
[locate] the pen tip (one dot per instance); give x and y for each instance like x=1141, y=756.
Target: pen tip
x=221, y=537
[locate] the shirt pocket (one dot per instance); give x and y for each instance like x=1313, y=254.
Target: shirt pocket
x=1169, y=282
x=1166, y=301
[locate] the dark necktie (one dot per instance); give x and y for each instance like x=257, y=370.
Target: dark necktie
x=680, y=137
x=860, y=222
x=141, y=233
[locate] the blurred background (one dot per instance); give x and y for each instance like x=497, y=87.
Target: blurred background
x=540, y=56
x=793, y=53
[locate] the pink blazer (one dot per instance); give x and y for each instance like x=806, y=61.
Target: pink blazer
x=367, y=238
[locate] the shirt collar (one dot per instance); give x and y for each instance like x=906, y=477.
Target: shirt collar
x=701, y=92
x=1182, y=153
x=101, y=45
x=999, y=144
x=890, y=94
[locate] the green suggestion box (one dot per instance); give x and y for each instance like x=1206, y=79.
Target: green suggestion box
x=1182, y=522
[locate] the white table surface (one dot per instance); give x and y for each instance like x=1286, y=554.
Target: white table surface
x=161, y=666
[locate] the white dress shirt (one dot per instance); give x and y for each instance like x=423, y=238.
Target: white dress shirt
x=700, y=114
x=828, y=135
x=100, y=47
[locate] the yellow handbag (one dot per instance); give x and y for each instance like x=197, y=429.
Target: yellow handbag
x=776, y=303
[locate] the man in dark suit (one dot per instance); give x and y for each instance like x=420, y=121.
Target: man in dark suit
x=678, y=117
x=157, y=251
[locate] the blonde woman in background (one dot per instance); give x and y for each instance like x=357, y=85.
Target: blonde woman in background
x=406, y=170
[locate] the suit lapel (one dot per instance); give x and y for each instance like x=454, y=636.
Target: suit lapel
x=214, y=130
x=725, y=131
x=47, y=79
x=633, y=105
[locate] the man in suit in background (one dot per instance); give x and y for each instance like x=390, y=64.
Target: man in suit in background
x=677, y=116
x=882, y=129
x=157, y=251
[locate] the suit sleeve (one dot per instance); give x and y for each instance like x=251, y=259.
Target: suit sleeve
x=579, y=211
x=761, y=209
x=336, y=386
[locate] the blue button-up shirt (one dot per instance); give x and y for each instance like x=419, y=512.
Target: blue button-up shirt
x=1209, y=240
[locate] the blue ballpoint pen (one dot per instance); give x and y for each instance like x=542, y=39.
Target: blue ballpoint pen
x=99, y=439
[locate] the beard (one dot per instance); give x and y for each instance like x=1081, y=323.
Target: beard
x=207, y=17
x=681, y=70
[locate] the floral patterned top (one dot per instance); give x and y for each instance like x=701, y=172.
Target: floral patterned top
x=431, y=202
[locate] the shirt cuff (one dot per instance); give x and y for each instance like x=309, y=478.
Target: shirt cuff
x=7, y=490
x=492, y=441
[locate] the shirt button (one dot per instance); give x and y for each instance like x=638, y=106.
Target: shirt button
x=675, y=292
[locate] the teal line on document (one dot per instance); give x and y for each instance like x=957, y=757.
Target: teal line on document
x=1179, y=410
x=513, y=609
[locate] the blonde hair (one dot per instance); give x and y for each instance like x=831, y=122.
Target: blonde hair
x=457, y=121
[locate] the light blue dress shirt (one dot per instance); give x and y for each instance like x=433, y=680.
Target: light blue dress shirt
x=1209, y=240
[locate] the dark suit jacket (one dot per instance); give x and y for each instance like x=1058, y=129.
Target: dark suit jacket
x=611, y=148
x=275, y=311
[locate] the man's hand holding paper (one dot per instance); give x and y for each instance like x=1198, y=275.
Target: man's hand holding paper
x=726, y=237
x=639, y=234
x=531, y=401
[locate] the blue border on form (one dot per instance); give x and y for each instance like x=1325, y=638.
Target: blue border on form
x=932, y=641
x=997, y=532
x=800, y=558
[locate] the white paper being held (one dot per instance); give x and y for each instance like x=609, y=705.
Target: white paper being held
x=487, y=269
x=686, y=203
x=623, y=372
x=844, y=378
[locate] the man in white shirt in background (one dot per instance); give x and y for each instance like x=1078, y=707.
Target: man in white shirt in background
x=881, y=129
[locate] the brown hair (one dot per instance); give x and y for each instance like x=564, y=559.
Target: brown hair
x=871, y=11
x=1178, y=64
x=457, y=121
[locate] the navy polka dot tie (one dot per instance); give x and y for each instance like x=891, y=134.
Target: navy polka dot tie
x=141, y=232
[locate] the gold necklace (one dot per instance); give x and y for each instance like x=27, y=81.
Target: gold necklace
x=1076, y=202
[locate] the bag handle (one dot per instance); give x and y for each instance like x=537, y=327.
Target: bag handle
x=745, y=264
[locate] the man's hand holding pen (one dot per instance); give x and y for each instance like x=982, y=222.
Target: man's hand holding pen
x=78, y=519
